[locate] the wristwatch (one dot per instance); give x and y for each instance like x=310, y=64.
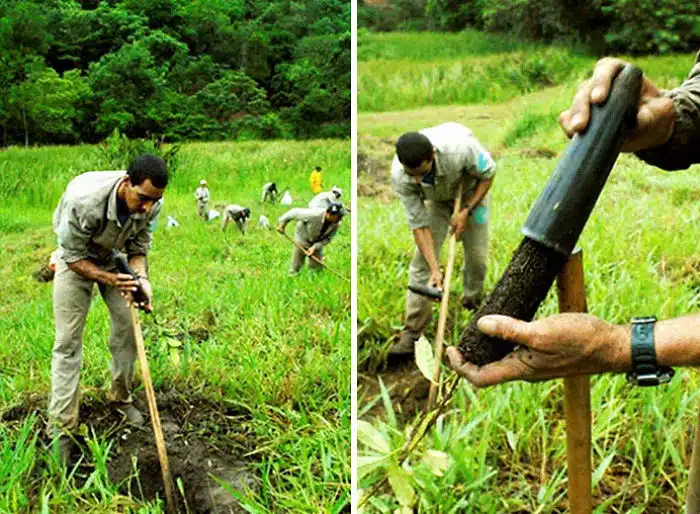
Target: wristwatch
x=645, y=370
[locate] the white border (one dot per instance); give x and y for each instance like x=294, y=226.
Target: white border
x=353, y=253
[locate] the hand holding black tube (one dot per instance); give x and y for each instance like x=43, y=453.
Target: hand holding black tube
x=139, y=295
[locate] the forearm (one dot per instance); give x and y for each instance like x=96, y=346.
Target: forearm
x=423, y=237
x=139, y=263
x=92, y=271
x=479, y=192
x=676, y=341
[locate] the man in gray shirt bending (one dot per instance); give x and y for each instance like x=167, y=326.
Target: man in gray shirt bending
x=100, y=211
x=426, y=172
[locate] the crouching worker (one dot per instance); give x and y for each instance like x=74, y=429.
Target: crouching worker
x=100, y=211
x=315, y=229
x=235, y=213
x=269, y=192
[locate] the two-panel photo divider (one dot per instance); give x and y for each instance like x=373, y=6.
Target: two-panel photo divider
x=368, y=256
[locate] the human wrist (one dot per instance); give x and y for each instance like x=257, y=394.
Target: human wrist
x=617, y=343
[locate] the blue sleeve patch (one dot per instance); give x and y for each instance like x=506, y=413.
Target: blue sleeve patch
x=484, y=162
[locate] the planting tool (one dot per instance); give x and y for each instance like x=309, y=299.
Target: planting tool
x=444, y=301
x=577, y=396
x=434, y=293
x=123, y=267
x=558, y=217
x=314, y=257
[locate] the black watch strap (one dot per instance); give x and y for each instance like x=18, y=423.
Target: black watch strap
x=645, y=369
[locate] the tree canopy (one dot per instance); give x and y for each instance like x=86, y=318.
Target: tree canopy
x=73, y=71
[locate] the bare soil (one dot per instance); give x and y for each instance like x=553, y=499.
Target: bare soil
x=206, y=443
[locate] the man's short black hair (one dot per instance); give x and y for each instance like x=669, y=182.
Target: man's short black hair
x=148, y=166
x=318, y=168
x=413, y=148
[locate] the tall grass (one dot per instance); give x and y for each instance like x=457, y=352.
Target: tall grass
x=278, y=346
x=400, y=71
x=430, y=46
x=506, y=445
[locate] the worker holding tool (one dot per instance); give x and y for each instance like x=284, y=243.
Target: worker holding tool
x=325, y=198
x=316, y=180
x=314, y=231
x=101, y=211
x=427, y=170
x=667, y=135
x=202, y=197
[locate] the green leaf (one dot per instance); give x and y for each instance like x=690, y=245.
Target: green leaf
x=602, y=467
x=368, y=463
x=174, y=356
x=425, y=360
x=436, y=461
x=401, y=485
x=370, y=436
x=173, y=343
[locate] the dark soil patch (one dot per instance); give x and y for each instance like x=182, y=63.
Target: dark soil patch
x=377, y=169
x=205, y=441
x=407, y=388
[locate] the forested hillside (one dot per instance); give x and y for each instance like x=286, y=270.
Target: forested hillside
x=73, y=71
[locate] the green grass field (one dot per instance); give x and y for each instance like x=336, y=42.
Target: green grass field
x=503, y=449
x=276, y=350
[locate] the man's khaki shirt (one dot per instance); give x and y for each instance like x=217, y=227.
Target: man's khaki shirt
x=86, y=223
x=458, y=156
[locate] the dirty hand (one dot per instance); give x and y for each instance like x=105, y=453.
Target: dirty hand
x=280, y=229
x=435, y=279
x=148, y=291
x=655, y=117
x=555, y=347
x=124, y=282
x=459, y=222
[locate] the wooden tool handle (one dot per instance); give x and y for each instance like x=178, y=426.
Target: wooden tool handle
x=153, y=409
x=442, y=320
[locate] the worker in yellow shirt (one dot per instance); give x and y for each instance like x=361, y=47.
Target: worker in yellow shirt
x=316, y=180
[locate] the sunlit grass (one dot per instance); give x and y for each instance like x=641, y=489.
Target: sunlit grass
x=506, y=445
x=278, y=345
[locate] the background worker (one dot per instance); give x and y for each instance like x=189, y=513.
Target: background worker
x=314, y=231
x=426, y=173
x=269, y=192
x=236, y=213
x=202, y=196
x=316, y=180
x=325, y=198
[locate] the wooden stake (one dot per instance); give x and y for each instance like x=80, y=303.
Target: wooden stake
x=444, y=307
x=577, y=396
x=692, y=501
x=153, y=409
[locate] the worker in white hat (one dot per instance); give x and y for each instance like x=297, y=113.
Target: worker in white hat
x=202, y=196
x=325, y=198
